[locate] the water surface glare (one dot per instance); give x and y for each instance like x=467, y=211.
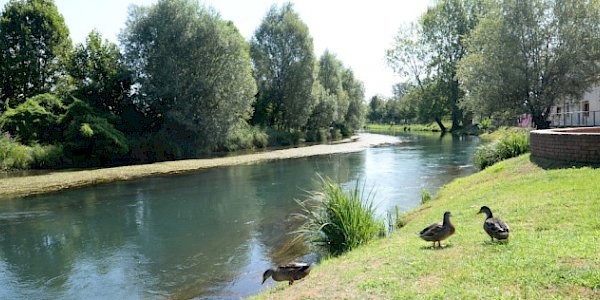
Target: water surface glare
x=210, y=234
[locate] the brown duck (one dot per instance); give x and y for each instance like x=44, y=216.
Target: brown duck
x=494, y=227
x=438, y=231
x=290, y=272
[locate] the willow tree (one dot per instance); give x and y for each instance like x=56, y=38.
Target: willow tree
x=427, y=54
x=526, y=55
x=193, y=69
x=284, y=62
x=34, y=43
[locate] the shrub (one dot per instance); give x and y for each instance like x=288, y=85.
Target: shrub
x=245, y=136
x=339, y=221
x=284, y=138
x=35, y=120
x=510, y=145
x=318, y=135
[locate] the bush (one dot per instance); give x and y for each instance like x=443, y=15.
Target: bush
x=318, y=135
x=245, y=136
x=47, y=156
x=511, y=145
x=15, y=156
x=35, y=120
x=339, y=221
x=284, y=138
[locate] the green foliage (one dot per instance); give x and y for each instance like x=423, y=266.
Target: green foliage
x=90, y=139
x=284, y=69
x=428, y=53
x=100, y=75
x=193, y=68
x=245, y=136
x=34, y=121
x=339, y=221
x=34, y=43
x=14, y=155
x=511, y=145
x=284, y=138
x=356, y=113
x=526, y=55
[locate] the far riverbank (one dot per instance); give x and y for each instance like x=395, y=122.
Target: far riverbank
x=55, y=181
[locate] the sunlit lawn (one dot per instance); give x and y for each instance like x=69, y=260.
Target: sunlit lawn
x=553, y=251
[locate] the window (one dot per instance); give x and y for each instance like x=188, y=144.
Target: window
x=558, y=109
x=586, y=108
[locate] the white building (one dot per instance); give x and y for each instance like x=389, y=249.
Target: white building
x=577, y=112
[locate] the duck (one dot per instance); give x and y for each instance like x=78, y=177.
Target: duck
x=289, y=272
x=494, y=227
x=438, y=231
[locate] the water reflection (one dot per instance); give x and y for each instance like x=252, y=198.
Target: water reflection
x=209, y=234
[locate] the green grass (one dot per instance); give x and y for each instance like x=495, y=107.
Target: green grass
x=552, y=252
x=339, y=221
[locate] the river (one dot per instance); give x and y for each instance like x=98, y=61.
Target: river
x=209, y=234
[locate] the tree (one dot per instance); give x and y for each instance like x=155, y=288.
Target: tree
x=526, y=55
x=430, y=52
x=193, y=70
x=355, y=90
x=377, y=109
x=34, y=43
x=100, y=75
x=284, y=68
x=330, y=76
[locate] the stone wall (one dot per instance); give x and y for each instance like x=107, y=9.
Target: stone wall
x=567, y=145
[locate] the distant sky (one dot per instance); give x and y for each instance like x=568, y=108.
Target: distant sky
x=358, y=32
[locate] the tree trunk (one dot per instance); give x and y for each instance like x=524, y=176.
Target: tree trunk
x=540, y=121
x=439, y=122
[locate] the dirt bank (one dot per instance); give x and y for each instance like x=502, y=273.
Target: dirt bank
x=30, y=185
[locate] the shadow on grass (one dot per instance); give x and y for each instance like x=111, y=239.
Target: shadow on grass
x=548, y=164
x=495, y=243
x=430, y=247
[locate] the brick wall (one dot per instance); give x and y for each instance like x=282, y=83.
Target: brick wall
x=577, y=145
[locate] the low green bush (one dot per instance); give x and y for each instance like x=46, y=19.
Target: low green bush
x=338, y=221
x=510, y=145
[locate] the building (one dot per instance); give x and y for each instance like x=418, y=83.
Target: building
x=577, y=112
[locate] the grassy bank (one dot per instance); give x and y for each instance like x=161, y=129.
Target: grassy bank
x=553, y=250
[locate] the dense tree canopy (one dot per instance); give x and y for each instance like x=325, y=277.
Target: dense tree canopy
x=427, y=53
x=193, y=69
x=526, y=55
x=100, y=75
x=34, y=43
x=284, y=61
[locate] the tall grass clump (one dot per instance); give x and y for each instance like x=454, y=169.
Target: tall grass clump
x=338, y=221
x=425, y=196
x=13, y=155
x=510, y=145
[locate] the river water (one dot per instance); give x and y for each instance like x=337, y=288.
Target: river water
x=209, y=234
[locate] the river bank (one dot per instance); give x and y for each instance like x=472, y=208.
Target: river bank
x=55, y=181
x=552, y=253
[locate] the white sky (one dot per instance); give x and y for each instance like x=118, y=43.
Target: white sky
x=358, y=32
